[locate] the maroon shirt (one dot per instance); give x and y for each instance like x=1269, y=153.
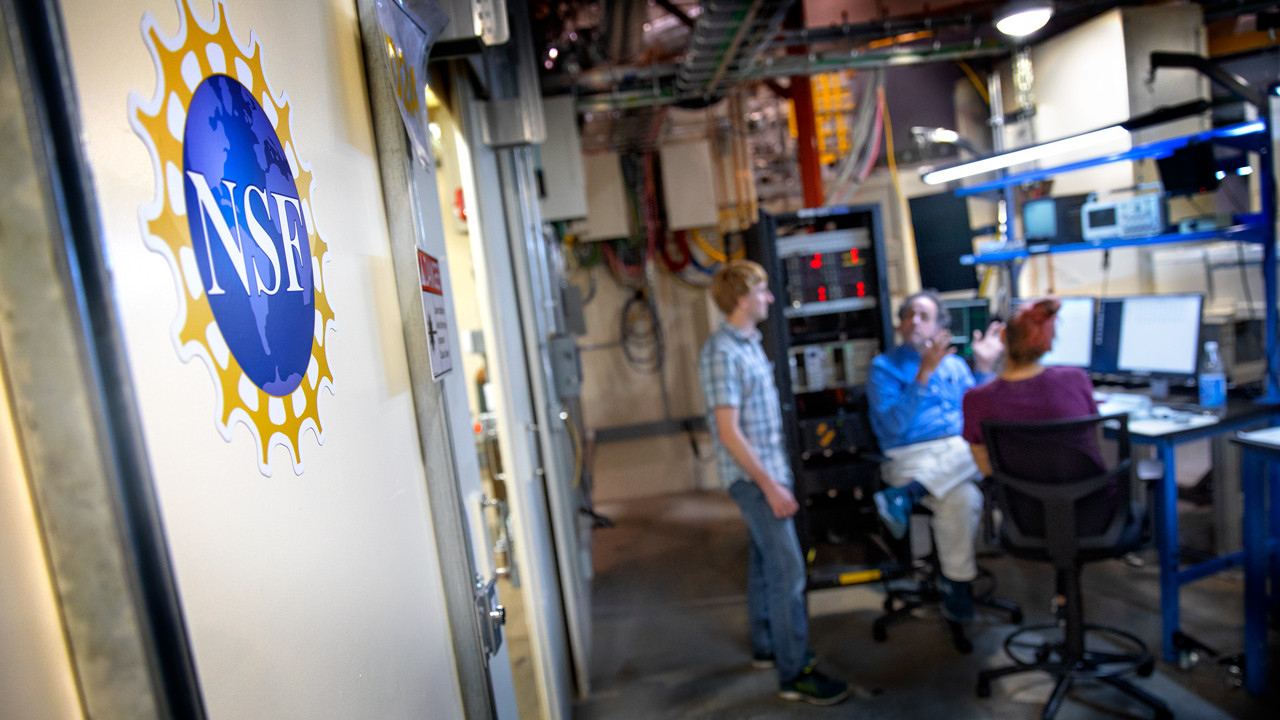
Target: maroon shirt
x=1057, y=393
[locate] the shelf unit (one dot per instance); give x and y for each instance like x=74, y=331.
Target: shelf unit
x=1251, y=136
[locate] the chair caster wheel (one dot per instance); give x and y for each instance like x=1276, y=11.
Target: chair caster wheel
x=1015, y=617
x=878, y=632
x=984, y=689
x=963, y=645
x=1147, y=667
x=888, y=605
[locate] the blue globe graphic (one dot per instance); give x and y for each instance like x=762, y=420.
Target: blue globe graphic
x=263, y=303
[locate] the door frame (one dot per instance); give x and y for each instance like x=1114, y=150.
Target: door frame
x=407, y=204
x=70, y=387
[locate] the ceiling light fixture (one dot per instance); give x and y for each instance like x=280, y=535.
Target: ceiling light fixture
x=1023, y=17
x=1027, y=154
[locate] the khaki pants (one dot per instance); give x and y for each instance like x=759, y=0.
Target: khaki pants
x=946, y=469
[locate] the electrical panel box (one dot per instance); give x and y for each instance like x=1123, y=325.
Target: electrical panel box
x=688, y=185
x=608, y=210
x=831, y=318
x=561, y=180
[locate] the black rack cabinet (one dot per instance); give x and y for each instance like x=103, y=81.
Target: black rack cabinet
x=831, y=318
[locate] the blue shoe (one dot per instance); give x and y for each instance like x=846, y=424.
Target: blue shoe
x=894, y=506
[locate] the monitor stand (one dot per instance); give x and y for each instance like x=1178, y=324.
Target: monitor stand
x=1158, y=388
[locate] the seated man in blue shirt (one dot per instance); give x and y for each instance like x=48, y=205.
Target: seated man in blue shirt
x=915, y=393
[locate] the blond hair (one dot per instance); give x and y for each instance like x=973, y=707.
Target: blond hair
x=733, y=280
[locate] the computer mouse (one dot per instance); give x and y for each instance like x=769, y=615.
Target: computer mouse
x=1161, y=413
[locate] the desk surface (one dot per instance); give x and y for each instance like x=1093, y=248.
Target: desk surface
x=1239, y=411
x=1153, y=427
x=1268, y=438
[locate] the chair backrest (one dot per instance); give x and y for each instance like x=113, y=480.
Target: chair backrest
x=1055, y=490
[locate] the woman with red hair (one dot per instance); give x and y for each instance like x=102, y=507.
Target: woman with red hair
x=1025, y=389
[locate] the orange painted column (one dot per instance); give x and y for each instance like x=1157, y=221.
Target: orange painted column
x=806, y=125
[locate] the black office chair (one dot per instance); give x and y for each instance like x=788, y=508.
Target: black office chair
x=1062, y=504
x=901, y=602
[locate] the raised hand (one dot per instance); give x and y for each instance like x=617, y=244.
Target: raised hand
x=939, y=347
x=988, y=347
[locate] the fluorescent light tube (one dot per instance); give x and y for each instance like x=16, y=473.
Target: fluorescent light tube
x=1027, y=154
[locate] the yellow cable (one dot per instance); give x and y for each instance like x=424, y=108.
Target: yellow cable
x=910, y=259
x=977, y=82
x=888, y=144
x=706, y=247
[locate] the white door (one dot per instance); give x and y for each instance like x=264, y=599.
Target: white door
x=240, y=198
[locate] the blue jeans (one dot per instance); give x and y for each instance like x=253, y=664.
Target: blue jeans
x=775, y=583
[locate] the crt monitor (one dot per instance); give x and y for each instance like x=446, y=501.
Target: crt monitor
x=1148, y=336
x=1072, y=333
x=1053, y=219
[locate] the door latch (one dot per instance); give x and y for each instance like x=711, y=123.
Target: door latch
x=490, y=615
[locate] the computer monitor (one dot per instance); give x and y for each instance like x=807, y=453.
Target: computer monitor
x=1148, y=336
x=1072, y=333
x=966, y=316
x=1053, y=220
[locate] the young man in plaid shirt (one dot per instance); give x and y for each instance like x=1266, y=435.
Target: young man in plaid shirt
x=745, y=421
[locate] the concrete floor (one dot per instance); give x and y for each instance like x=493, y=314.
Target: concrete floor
x=670, y=633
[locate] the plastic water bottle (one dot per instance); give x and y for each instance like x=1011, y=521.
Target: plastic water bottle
x=1212, y=381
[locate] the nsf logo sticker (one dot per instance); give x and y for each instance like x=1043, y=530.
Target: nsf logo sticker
x=233, y=217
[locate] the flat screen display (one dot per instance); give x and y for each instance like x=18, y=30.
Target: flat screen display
x=1144, y=335
x=1160, y=334
x=1072, y=334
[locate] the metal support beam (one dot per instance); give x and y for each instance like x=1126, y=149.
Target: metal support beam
x=806, y=124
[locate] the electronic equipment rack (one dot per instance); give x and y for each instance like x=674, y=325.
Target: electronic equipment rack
x=831, y=317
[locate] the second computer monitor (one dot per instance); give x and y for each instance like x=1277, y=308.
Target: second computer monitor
x=1072, y=333
x=1148, y=336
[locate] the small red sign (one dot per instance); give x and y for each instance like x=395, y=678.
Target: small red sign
x=429, y=273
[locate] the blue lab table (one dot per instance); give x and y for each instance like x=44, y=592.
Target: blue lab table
x=1165, y=436
x=1260, y=451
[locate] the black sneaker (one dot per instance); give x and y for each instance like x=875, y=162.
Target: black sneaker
x=813, y=687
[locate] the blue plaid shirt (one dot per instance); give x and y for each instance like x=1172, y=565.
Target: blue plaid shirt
x=734, y=371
